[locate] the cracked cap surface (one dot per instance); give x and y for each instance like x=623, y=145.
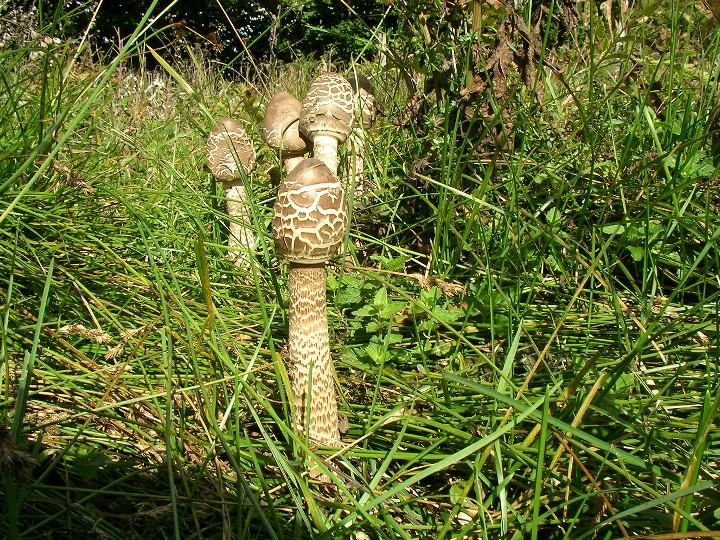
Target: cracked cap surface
x=309, y=216
x=328, y=107
x=228, y=148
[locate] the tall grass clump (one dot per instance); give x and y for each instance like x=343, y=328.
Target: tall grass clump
x=525, y=322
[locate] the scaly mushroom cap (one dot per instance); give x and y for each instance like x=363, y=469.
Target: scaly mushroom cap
x=309, y=216
x=280, y=125
x=365, y=99
x=328, y=108
x=229, y=144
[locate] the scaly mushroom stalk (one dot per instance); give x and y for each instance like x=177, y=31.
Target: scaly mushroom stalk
x=313, y=387
x=309, y=222
x=280, y=129
x=365, y=114
x=326, y=117
x=230, y=153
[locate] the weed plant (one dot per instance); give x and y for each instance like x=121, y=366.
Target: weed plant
x=525, y=332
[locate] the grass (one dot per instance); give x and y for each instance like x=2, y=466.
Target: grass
x=525, y=331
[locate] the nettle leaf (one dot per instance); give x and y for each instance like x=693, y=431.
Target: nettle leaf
x=553, y=216
x=430, y=297
x=88, y=463
x=447, y=316
x=637, y=253
x=381, y=298
x=638, y=231
x=372, y=326
x=704, y=169
x=613, y=229
x=393, y=338
x=427, y=325
x=349, y=296
x=396, y=264
x=377, y=352
x=355, y=324
x=365, y=311
x=392, y=309
x=441, y=316
x=626, y=380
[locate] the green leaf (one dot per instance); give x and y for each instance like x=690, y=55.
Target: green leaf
x=365, y=311
x=613, y=229
x=392, y=309
x=377, y=352
x=553, y=216
x=381, y=298
x=372, y=327
x=348, y=296
x=393, y=338
x=430, y=297
x=446, y=316
x=626, y=380
x=637, y=253
x=396, y=264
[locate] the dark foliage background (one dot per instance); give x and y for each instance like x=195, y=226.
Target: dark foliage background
x=269, y=29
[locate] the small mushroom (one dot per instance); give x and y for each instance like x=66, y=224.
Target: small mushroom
x=326, y=117
x=365, y=114
x=230, y=154
x=280, y=129
x=309, y=222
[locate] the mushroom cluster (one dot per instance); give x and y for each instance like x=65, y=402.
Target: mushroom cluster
x=309, y=222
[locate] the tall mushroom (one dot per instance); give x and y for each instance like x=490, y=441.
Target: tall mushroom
x=230, y=154
x=327, y=116
x=280, y=129
x=309, y=222
x=365, y=114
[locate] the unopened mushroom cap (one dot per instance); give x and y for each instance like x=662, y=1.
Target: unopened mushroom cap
x=227, y=146
x=328, y=108
x=365, y=99
x=309, y=216
x=360, y=82
x=280, y=124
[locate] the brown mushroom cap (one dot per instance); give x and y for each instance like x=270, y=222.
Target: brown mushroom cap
x=280, y=124
x=229, y=144
x=309, y=216
x=328, y=108
x=367, y=107
x=360, y=82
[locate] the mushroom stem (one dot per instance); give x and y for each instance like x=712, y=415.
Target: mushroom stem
x=357, y=151
x=311, y=366
x=325, y=148
x=365, y=113
x=241, y=239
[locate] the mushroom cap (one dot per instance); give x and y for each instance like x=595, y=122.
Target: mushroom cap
x=309, y=216
x=365, y=99
x=360, y=82
x=280, y=124
x=228, y=146
x=328, y=108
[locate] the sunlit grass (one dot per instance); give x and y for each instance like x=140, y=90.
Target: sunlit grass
x=525, y=335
